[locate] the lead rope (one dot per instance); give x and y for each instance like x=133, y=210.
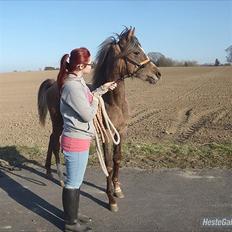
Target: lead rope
x=100, y=130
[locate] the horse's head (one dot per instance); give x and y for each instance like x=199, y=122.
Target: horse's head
x=123, y=57
x=133, y=58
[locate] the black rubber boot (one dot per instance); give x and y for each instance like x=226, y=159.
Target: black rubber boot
x=71, y=205
x=81, y=217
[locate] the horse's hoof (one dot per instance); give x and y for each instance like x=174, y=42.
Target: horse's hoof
x=62, y=183
x=49, y=176
x=119, y=194
x=114, y=208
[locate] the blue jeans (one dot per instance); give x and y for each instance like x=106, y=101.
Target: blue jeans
x=76, y=163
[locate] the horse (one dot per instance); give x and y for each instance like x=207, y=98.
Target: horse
x=119, y=57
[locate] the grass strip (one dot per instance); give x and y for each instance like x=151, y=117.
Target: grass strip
x=140, y=155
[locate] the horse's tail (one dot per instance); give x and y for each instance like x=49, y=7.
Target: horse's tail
x=42, y=101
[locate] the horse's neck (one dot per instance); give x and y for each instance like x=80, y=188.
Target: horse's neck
x=117, y=96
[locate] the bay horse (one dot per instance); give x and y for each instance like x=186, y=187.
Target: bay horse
x=119, y=57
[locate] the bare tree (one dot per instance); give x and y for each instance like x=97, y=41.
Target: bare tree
x=229, y=54
x=217, y=62
x=155, y=56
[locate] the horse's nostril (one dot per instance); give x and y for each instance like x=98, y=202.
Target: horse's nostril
x=158, y=74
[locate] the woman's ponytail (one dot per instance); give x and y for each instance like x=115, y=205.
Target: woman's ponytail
x=63, y=71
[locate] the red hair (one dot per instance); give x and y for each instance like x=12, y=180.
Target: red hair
x=77, y=56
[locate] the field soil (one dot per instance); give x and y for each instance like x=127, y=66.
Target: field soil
x=192, y=104
x=188, y=107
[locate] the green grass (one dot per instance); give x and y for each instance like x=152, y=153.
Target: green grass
x=169, y=155
x=141, y=155
x=16, y=155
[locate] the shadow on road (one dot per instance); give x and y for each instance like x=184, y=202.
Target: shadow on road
x=31, y=201
x=14, y=161
x=94, y=186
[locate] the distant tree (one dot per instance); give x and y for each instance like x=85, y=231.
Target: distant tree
x=49, y=68
x=165, y=62
x=155, y=56
x=229, y=54
x=192, y=63
x=217, y=63
x=162, y=61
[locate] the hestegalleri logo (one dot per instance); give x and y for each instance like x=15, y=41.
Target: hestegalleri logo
x=217, y=222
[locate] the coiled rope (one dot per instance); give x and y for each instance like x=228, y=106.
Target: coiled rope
x=99, y=120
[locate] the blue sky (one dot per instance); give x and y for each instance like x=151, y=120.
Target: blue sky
x=35, y=34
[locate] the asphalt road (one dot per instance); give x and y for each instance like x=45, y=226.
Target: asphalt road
x=162, y=200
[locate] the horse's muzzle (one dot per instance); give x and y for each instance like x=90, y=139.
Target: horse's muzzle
x=152, y=80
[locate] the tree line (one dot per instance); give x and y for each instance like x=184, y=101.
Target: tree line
x=162, y=61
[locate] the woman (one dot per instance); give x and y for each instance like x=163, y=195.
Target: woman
x=78, y=107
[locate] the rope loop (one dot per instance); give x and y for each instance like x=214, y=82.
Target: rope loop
x=100, y=118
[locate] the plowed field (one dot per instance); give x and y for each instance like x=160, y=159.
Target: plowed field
x=187, y=105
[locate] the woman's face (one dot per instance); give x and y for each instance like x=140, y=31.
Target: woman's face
x=88, y=67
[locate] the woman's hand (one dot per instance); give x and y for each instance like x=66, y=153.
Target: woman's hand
x=109, y=85
x=105, y=88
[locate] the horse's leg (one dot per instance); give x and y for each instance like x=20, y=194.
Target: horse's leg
x=56, y=151
x=49, y=157
x=117, y=155
x=109, y=165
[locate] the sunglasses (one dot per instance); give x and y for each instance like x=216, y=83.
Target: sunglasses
x=92, y=65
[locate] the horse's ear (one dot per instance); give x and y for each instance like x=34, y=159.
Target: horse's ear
x=131, y=33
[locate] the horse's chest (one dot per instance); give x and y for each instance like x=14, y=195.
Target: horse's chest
x=118, y=115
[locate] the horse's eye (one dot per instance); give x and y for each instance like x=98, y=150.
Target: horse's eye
x=136, y=53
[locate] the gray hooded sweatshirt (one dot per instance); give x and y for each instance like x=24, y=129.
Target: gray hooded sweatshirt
x=76, y=110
